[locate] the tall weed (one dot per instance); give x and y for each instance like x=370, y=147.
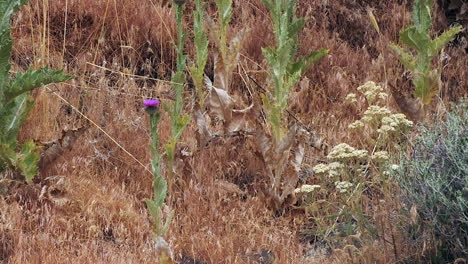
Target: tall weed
x=284, y=149
x=16, y=101
x=426, y=80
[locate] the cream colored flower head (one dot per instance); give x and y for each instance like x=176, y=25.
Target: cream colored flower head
x=372, y=91
x=343, y=186
x=344, y=151
x=351, y=98
x=321, y=168
x=380, y=156
x=306, y=188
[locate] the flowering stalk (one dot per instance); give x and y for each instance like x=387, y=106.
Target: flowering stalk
x=159, y=183
x=178, y=120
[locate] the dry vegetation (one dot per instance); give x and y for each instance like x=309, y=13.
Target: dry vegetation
x=87, y=206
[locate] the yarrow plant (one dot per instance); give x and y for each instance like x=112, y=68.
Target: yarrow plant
x=16, y=101
x=350, y=170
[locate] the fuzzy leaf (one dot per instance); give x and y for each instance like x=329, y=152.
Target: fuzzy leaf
x=13, y=116
x=7, y=8
x=30, y=79
x=224, y=11
x=415, y=39
x=27, y=160
x=422, y=15
x=439, y=43
x=406, y=58
x=160, y=190
x=305, y=62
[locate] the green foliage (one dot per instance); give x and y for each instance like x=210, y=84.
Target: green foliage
x=16, y=101
x=159, y=183
x=434, y=179
x=224, y=16
x=285, y=68
x=417, y=37
x=201, y=49
x=178, y=120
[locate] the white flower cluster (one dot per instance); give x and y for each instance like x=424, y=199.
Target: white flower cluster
x=321, y=168
x=394, y=123
x=372, y=91
x=343, y=186
x=306, y=188
x=351, y=98
x=380, y=156
x=375, y=113
x=357, y=124
x=344, y=151
x=333, y=169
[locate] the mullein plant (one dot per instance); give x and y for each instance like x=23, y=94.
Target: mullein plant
x=16, y=101
x=286, y=68
x=426, y=80
x=155, y=206
x=178, y=120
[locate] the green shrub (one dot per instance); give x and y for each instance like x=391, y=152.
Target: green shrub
x=16, y=101
x=434, y=180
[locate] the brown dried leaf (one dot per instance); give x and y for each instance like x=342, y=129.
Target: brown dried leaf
x=219, y=101
x=203, y=131
x=239, y=118
x=288, y=140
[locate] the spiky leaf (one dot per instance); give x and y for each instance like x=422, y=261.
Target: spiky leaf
x=406, y=58
x=7, y=8
x=27, y=160
x=415, y=39
x=422, y=15
x=31, y=79
x=12, y=117
x=441, y=41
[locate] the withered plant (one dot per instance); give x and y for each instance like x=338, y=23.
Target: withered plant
x=283, y=152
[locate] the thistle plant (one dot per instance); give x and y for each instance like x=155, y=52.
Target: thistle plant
x=178, y=119
x=426, y=80
x=155, y=206
x=285, y=68
x=16, y=101
x=201, y=50
x=284, y=149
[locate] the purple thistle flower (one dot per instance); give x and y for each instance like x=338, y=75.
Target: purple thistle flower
x=151, y=103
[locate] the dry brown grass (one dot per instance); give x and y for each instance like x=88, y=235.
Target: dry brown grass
x=91, y=207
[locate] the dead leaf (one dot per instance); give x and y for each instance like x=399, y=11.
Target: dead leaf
x=203, y=131
x=219, y=101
